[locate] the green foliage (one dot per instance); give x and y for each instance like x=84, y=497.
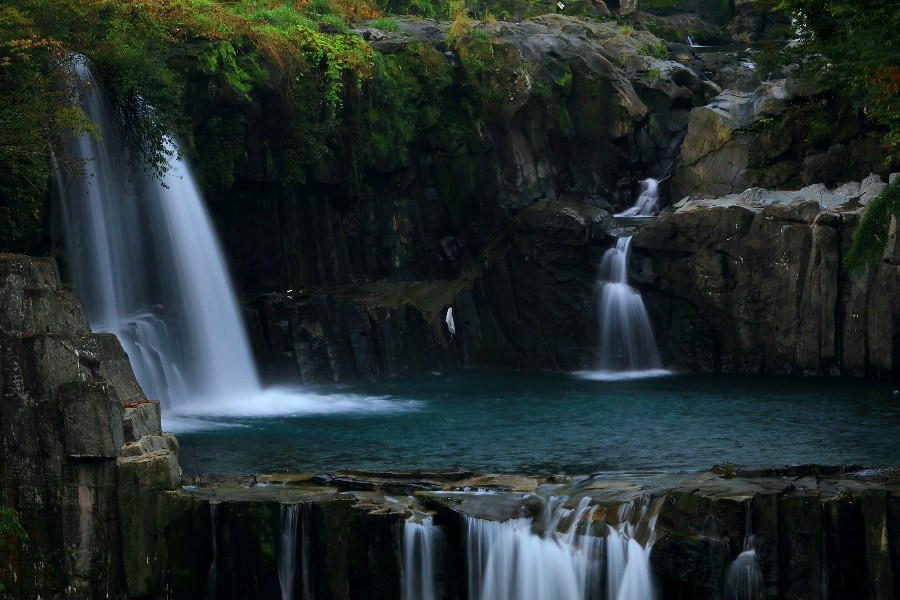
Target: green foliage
x=241, y=74
x=10, y=526
x=337, y=56
x=853, y=45
x=404, y=98
x=871, y=235
x=655, y=49
x=626, y=29
x=386, y=24
x=654, y=74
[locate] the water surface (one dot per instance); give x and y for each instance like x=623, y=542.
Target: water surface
x=556, y=423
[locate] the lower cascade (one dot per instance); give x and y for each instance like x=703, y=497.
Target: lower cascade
x=420, y=540
x=744, y=579
x=564, y=555
x=287, y=553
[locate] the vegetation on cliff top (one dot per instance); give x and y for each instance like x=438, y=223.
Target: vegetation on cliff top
x=853, y=44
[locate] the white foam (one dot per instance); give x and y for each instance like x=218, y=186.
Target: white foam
x=622, y=375
x=286, y=402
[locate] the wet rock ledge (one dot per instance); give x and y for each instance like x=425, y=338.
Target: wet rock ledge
x=819, y=532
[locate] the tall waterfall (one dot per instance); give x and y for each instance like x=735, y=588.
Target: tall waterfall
x=420, y=540
x=146, y=261
x=560, y=558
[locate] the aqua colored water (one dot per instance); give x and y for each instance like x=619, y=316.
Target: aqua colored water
x=519, y=422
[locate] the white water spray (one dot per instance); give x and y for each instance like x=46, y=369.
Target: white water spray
x=627, y=346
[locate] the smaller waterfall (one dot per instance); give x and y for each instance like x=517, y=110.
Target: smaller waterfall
x=287, y=555
x=744, y=579
x=693, y=44
x=647, y=203
x=627, y=346
x=420, y=539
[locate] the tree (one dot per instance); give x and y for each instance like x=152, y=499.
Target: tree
x=854, y=44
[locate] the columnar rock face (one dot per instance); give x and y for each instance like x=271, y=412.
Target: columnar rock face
x=80, y=447
x=818, y=533
x=753, y=283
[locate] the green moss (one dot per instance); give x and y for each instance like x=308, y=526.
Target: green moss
x=386, y=24
x=871, y=235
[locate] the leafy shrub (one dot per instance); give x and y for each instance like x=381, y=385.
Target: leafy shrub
x=386, y=24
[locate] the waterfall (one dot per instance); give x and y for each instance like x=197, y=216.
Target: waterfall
x=744, y=578
x=647, y=203
x=147, y=263
x=627, y=345
x=287, y=555
x=558, y=558
x=420, y=540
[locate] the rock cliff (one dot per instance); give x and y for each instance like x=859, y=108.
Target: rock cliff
x=83, y=454
x=753, y=283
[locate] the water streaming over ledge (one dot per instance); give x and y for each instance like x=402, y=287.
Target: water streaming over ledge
x=627, y=346
x=420, y=549
x=560, y=556
x=744, y=578
x=287, y=551
x=147, y=263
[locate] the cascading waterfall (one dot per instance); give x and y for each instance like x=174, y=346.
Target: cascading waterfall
x=627, y=346
x=647, y=204
x=420, y=539
x=287, y=552
x=626, y=337
x=744, y=579
x=510, y=560
x=136, y=244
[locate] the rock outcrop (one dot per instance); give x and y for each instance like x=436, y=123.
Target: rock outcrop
x=82, y=454
x=753, y=283
x=781, y=134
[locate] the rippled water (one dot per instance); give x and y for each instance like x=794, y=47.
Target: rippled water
x=521, y=422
